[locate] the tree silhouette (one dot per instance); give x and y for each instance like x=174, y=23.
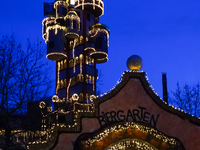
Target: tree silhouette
x=23, y=78
x=187, y=99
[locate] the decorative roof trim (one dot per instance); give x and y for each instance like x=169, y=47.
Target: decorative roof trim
x=141, y=76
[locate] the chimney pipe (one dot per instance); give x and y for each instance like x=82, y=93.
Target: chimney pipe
x=164, y=82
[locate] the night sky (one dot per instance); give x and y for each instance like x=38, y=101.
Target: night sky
x=165, y=34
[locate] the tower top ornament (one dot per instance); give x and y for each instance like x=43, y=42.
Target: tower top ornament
x=134, y=63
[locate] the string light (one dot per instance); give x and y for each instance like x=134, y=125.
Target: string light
x=95, y=3
x=131, y=125
x=74, y=54
x=96, y=30
x=135, y=143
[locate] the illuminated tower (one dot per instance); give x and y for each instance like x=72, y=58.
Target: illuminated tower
x=77, y=42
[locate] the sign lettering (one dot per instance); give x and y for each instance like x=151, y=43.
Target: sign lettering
x=137, y=115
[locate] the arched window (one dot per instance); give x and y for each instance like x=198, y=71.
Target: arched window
x=98, y=43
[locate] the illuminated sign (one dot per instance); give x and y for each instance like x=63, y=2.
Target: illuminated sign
x=139, y=114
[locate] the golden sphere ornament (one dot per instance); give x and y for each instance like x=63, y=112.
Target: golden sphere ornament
x=134, y=63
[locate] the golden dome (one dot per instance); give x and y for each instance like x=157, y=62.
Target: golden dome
x=72, y=12
x=134, y=63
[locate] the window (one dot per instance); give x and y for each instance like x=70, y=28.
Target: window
x=98, y=43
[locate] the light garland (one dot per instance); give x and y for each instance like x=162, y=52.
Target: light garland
x=55, y=98
x=42, y=105
x=44, y=26
x=72, y=33
x=99, y=53
x=70, y=80
x=81, y=63
x=93, y=85
x=75, y=97
x=132, y=125
x=102, y=60
x=74, y=55
x=90, y=49
x=60, y=3
x=95, y=3
x=58, y=80
x=95, y=31
x=134, y=143
x=77, y=79
x=55, y=53
x=55, y=28
x=72, y=15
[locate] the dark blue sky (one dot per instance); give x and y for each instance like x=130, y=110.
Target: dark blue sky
x=165, y=34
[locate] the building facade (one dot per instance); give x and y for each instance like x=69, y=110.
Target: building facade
x=129, y=117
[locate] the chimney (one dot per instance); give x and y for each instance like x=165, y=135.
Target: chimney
x=164, y=82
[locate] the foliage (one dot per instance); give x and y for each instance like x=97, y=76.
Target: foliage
x=187, y=99
x=23, y=78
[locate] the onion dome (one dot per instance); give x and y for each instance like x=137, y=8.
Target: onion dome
x=100, y=36
x=94, y=6
x=72, y=22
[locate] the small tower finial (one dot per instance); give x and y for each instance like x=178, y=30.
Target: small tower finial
x=134, y=63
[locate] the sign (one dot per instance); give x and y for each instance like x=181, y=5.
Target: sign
x=139, y=114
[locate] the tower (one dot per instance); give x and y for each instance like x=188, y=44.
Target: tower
x=77, y=42
x=130, y=116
